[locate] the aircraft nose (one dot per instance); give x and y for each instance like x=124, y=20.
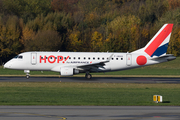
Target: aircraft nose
x=7, y=65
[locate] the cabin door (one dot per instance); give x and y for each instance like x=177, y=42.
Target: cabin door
x=33, y=58
x=128, y=59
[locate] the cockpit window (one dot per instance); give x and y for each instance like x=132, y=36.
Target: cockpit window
x=16, y=57
x=20, y=57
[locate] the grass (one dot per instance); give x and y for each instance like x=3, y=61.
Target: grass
x=167, y=68
x=108, y=94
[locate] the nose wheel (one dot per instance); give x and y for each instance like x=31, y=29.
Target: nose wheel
x=27, y=73
x=88, y=76
x=27, y=76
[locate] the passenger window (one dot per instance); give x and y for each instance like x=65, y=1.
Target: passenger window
x=98, y=58
x=112, y=58
x=89, y=58
x=102, y=58
x=74, y=57
x=69, y=57
x=93, y=58
x=64, y=57
x=79, y=58
x=121, y=58
x=116, y=58
x=84, y=57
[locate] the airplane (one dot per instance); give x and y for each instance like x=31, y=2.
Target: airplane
x=70, y=63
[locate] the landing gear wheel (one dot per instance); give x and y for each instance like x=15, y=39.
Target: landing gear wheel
x=88, y=76
x=27, y=73
x=27, y=76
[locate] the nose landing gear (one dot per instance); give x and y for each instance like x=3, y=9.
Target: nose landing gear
x=27, y=73
x=27, y=76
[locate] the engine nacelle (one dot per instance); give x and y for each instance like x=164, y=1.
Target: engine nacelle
x=68, y=71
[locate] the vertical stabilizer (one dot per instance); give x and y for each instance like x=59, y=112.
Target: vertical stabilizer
x=158, y=45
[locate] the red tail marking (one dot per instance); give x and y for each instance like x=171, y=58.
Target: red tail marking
x=159, y=39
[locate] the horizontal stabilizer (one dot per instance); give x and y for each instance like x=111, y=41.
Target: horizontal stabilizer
x=169, y=57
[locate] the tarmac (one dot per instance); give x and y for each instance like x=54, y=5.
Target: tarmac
x=89, y=112
x=175, y=80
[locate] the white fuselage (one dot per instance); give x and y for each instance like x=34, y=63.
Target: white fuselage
x=54, y=61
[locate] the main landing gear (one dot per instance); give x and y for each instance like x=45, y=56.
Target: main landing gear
x=27, y=73
x=88, y=76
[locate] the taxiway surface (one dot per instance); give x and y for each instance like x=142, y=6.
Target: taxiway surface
x=89, y=112
x=94, y=79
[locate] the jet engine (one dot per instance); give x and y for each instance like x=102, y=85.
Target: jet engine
x=68, y=71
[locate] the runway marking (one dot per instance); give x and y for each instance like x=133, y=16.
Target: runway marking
x=33, y=114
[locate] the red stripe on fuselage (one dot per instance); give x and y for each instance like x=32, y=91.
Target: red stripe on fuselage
x=159, y=39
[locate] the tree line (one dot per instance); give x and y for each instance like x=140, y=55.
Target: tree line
x=84, y=25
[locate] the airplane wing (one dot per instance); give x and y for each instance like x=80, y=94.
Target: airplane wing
x=95, y=65
x=87, y=67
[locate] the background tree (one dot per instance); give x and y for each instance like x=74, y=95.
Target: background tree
x=68, y=6
x=27, y=9
x=76, y=25
x=10, y=34
x=124, y=33
x=96, y=42
x=59, y=22
x=75, y=43
x=44, y=41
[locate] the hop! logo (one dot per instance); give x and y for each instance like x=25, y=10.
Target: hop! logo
x=53, y=59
